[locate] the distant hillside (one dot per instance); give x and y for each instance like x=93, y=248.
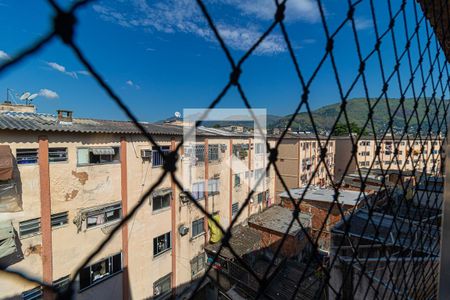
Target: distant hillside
x=358, y=110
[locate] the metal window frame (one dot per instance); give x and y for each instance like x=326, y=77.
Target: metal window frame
x=164, y=279
x=29, y=154
x=196, y=224
x=34, y=223
x=62, y=215
x=168, y=243
x=157, y=158
x=110, y=261
x=58, y=150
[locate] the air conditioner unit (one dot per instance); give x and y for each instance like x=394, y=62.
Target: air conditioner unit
x=183, y=230
x=146, y=153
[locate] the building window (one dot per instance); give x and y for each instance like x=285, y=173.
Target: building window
x=26, y=156
x=258, y=173
x=197, y=227
x=198, y=264
x=57, y=154
x=33, y=294
x=100, y=155
x=60, y=219
x=259, y=148
x=157, y=158
x=103, y=216
x=260, y=197
x=234, y=208
x=198, y=190
x=213, y=152
x=161, y=201
x=161, y=244
x=213, y=186
x=162, y=287
x=100, y=271
x=237, y=180
x=200, y=152
x=61, y=284
x=29, y=227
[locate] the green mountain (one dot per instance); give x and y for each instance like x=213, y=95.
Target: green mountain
x=358, y=112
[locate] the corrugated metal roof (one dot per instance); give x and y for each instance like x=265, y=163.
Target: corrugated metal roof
x=46, y=122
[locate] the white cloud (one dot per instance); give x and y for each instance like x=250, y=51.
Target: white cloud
x=83, y=72
x=4, y=55
x=60, y=68
x=296, y=10
x=363, y=23
x=131, y=83
x=48, y=94
x=184, y=16
x=243, y=38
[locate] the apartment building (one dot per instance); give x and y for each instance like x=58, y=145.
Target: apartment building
x=65, y=182
x=299, y=161
x=391, y=153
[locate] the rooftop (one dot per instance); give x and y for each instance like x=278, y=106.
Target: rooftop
x=32, y=121
x=244, y=240
x=313, y=193
x=277, y=218
x=47, y=122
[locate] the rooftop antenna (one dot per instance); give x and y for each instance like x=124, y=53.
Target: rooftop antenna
x=28, y=97
x=177, y=114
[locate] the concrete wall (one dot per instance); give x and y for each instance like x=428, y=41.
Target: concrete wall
x=73, y=187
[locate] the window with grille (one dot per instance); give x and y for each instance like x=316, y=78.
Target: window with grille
x=100, y=271
x=33, y=294
x=213, y=152
x=162, y=287
x=197, y=264
x=57, y=154
x=161, y=201
x=237, y=180
x=198, y=190
x=213, y=187
x=98, y=155
x=161, y=244
x=29, y=227
x=157, y=158
x=234, y=208
x=200, y=153
x=197, y=227
x=259, y=148
x=60, y=219
x=27, y=156
x=104, y=216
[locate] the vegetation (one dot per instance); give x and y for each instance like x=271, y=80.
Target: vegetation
x=358, y=113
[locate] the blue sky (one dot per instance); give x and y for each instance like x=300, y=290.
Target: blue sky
x=160, y=56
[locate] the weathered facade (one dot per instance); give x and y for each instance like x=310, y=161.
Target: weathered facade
x=77, y=178
x=299, y=161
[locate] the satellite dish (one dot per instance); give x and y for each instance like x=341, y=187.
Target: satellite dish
x=25, y=96
x=177, y=114
x=32, y=96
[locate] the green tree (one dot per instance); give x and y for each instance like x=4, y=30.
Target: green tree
x=342, y=129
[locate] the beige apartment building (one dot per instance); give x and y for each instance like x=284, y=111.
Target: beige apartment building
x=66, y=182
x=299, y=161
x=395, y=153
